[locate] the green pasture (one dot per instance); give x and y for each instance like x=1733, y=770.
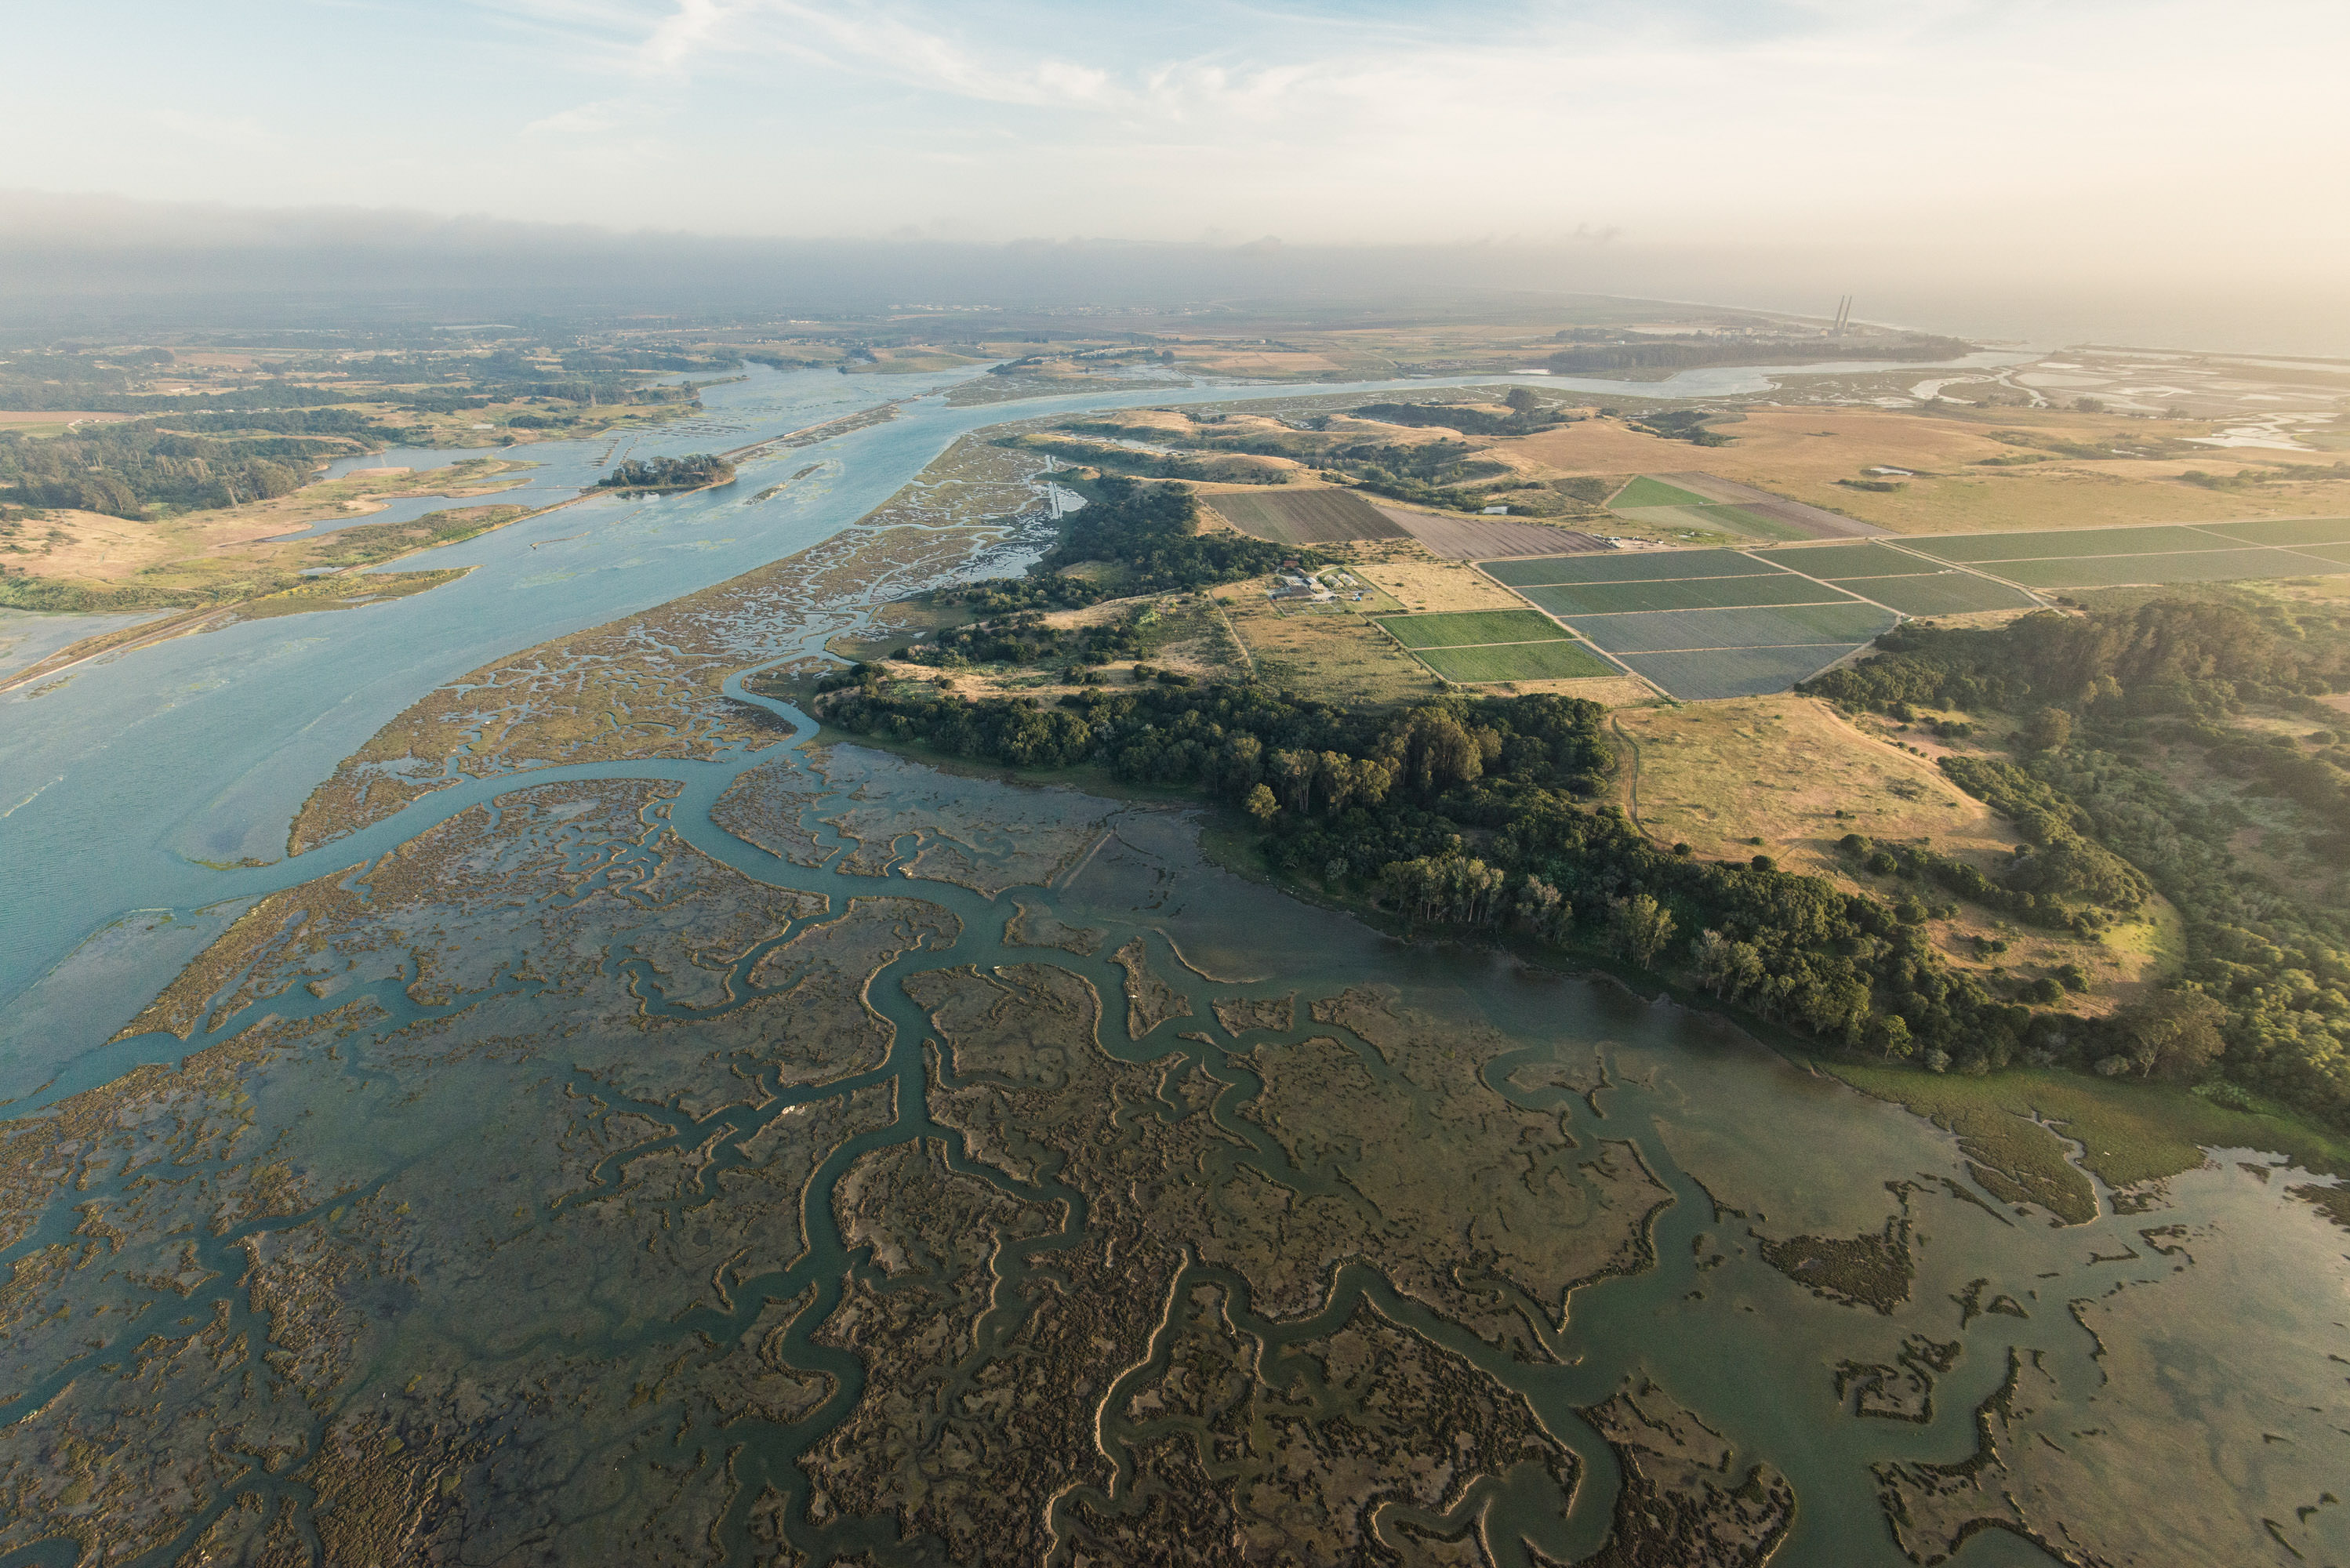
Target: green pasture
x=1644, y=490
x=1463, y=628
x=1515, y=661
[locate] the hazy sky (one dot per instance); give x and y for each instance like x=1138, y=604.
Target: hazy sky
x=1985, y=166
x=2182, y=134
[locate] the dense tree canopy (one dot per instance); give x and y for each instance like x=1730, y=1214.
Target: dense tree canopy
x=688, y=472
x=1482, y=813
x=130, y=470
x=1479, y=812
x=1150, y=532
x=2103, y=697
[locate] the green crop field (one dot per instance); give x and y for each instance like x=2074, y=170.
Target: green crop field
x=1634, y=565
x=1734, y=672
x=2108, y=557
x=1462, y=628
x=1647, y=492
x=1947, y=593
x=2167, y=566
x=2286, y=531
x=1515, y=661
x=1712, y=517
x=1833, y=561
x=1974, y=547
x=1731, y=518
x=1668, y=630
x=1571, y=599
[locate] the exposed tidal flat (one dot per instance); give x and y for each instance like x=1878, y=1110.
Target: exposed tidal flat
x=689, y=1146
x=987, y=1177
x=127, y=784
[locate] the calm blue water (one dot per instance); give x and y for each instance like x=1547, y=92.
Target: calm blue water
x=117, y=788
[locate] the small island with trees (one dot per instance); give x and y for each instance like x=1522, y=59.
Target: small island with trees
x=659, y=475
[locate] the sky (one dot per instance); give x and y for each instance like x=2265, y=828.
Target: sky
x=2083, y=145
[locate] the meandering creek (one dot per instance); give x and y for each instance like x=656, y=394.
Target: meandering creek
x=554, y=1156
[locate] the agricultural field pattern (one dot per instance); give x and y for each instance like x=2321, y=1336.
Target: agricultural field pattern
x=1482, y=646
x=624, y=1114
x=1703, y=624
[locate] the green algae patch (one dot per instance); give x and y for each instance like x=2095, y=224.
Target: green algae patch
x=2128, y=1133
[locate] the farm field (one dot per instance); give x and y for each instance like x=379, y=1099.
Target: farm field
x=1470, y=628
x=1660, y=504
x=1714, y=623
x=1791, y=519
x=1669, y=631
x=1732, y=672
x=1680, y=592
x=1938, y=593
x=2110, y=557
x=1717, y=622
x=2087, y=469
x=2164, y=567
x=1637, y=565
x=1642, y=491
x=1712, y=517
x=2285, y=531
x=2061, y=543
x=1559, y=661
x=1304, y=517
x=1829, y=562
x=1477, y=538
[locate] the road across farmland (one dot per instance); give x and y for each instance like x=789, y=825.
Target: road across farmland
x=1467, y=629
x=1560, y=658
x=1722, y=623
x=1475, y=647
x=1728, y=623
x=2176, y=553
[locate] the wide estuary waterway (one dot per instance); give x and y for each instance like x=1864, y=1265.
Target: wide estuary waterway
x=806, y=1155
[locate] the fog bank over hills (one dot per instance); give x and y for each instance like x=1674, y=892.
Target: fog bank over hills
x=71, y=263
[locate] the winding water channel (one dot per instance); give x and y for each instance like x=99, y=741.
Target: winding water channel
x=125, y=793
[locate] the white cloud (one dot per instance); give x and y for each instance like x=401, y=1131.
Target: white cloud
x=585, y=119
x=683, y=33
x=2082, y=132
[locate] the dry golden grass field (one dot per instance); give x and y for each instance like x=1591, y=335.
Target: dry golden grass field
x=1715, y=776
x=1326, y=652
x=1437, y=586
x=1802, y=453
x=210, y=548
x=1609, y=691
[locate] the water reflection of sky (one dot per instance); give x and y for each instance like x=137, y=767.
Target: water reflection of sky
x=116, y=784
